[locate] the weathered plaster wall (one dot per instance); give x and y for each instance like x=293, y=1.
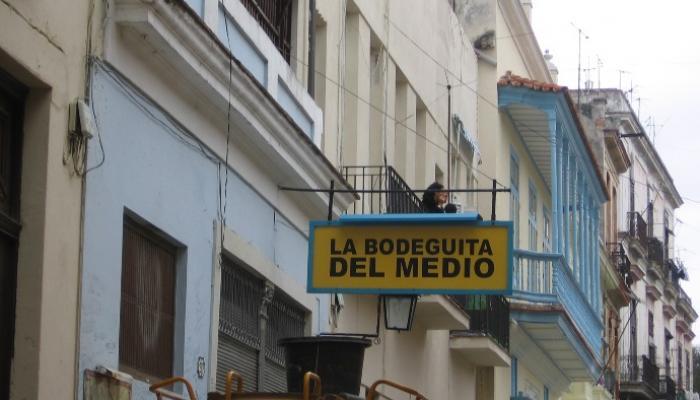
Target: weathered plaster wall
x=46, y=54
x=158, y=171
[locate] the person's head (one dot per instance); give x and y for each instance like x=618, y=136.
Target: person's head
x=434, y=196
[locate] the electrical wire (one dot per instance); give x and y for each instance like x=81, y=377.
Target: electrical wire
x=223, y=207
x=401, y=122
x=633, y=313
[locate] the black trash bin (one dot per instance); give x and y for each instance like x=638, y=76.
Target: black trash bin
x=336, y=359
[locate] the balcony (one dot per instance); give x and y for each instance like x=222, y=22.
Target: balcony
x=487, y=340
x=610, y=381
x=620, y=260
x=275, y=18
x=551, y=307
x=637, y=232
x=401, y=199
x=655, y=251
x=639, y=378
x=667, y=388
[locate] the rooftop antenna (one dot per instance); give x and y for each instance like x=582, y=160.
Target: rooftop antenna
x=578, y=91
x=600, y=66
x=639, y=107
x=621, y=71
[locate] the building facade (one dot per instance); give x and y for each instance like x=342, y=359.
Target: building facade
x=42, y=77
x=537, y=146
x=193, y=149
x=616, y=279
x=656, y=348
x=194, y=259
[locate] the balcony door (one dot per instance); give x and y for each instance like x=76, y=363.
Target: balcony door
x=11, y=106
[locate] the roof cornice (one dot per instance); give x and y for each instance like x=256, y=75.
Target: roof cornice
x=527, y=45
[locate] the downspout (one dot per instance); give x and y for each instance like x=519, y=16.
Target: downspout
x=312, y=46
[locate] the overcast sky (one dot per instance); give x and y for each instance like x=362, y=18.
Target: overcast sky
x=657, y=44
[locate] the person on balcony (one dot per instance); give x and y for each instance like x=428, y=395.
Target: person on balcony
x=435, y=200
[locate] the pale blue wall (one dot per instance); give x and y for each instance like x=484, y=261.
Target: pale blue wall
x=158, y=172
x=292, y=107
x=241, y=47
x=197, y=6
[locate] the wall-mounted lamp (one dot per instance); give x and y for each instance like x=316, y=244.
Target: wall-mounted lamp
x=399, y=311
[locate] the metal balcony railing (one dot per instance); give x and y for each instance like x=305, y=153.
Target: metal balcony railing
x=637, y=226
x=639, y=370
x=546, y=278
x=610, y=381
x=275, y=18
x=401, y=199
x=655, y=250
x=488, y=315
x=620, y=260
x=667, y=388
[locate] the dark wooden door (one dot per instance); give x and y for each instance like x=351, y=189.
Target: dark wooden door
x=11, y=107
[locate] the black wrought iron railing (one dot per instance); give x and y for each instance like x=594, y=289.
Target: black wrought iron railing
x=655, y=250
x=639, y=370
x=401, y=202
x=637, y=226
x=619, y=258
x=610, y=381
x=667, y=388
x=488, y=316
x=275, y=18
x=398, y=197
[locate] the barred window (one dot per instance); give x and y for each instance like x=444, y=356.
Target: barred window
x=147, y=315
x=253, y=316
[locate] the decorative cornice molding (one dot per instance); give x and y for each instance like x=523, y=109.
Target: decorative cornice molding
x=527, y=45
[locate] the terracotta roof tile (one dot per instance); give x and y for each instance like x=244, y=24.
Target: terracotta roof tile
x=510, y=79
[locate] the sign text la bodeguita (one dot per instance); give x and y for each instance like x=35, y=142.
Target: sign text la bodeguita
x=421, y=254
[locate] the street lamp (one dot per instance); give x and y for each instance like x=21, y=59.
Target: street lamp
x=399, y=311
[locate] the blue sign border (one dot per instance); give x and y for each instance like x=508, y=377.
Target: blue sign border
x=470, y=218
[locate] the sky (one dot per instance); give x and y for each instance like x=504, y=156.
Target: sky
x=657, y=45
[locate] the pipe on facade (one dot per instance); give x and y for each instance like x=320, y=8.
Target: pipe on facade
x=312, y=46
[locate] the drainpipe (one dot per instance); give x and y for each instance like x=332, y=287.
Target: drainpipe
x=312, y=46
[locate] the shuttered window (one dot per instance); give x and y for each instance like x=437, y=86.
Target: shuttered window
x=253, y=316
x=147, y=303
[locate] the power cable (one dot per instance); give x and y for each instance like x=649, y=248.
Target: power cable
x=633, y=313
x=397, y=121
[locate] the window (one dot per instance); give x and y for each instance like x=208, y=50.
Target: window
x=547, y=231
x=275, y=18
x=515, y=199
x=532, y=216
x=253, y=316
x=147, y=320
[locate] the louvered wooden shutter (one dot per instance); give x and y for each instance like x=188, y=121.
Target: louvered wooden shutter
x=147, y=303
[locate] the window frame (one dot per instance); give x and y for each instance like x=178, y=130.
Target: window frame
x=161, y=239
x=238, y=249
x=514, y=169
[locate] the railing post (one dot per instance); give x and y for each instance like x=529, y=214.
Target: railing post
x=330, y=201
x=493, y=202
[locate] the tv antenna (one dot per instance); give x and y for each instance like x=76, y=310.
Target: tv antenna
x=580, y=35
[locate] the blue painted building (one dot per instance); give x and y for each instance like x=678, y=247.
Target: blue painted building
x=557, y=299
x=192, y=253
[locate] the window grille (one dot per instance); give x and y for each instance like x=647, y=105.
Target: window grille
x=252, y=309
x=147, y=303
x=275, y=18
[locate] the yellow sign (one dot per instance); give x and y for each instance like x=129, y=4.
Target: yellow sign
x=423, y=257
